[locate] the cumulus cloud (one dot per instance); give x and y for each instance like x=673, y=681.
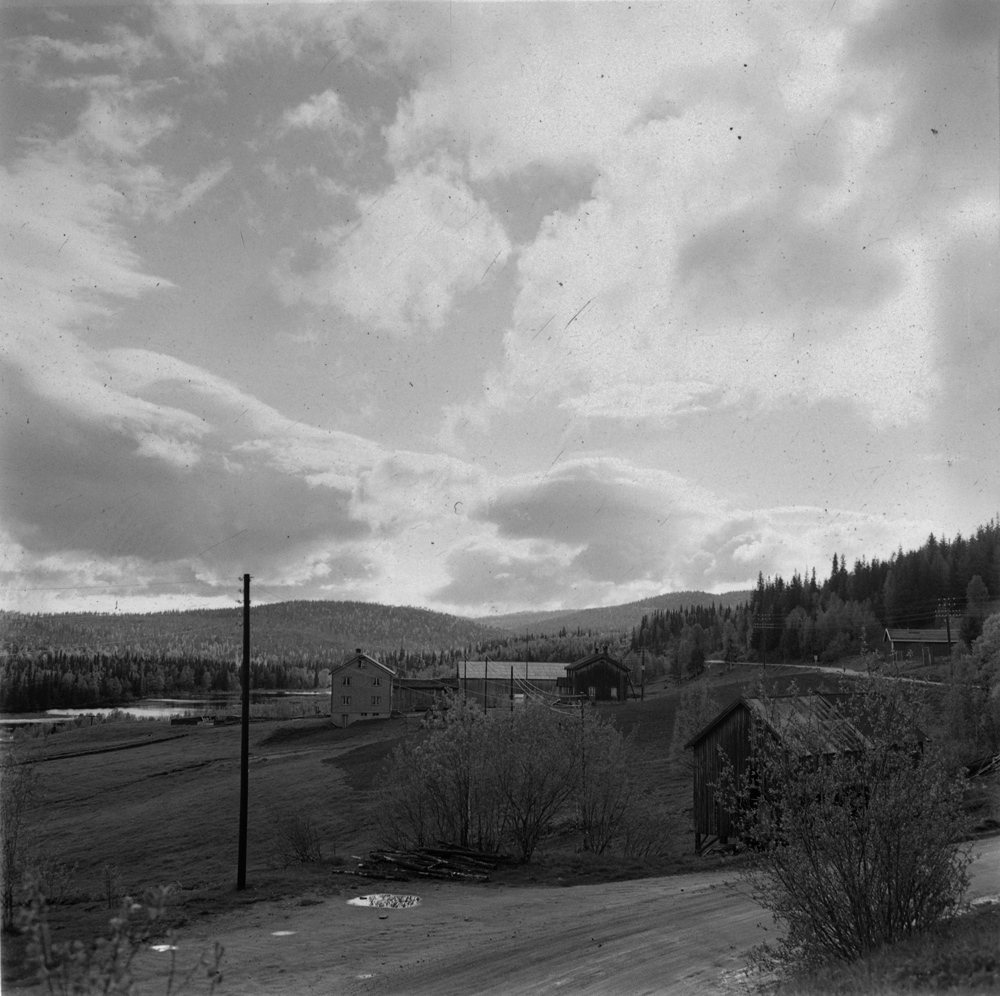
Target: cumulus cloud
x=415, y=248
x=753, y=209
x=324, y=111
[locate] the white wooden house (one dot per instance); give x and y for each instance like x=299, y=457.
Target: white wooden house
x=360, y=688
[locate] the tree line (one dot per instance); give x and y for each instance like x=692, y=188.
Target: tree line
x=952, y=584
x=77, y=660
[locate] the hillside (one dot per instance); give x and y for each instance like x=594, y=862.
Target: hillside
x=611, y=617
x=291, y=630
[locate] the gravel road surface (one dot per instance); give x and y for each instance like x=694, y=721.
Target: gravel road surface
x=679, y=935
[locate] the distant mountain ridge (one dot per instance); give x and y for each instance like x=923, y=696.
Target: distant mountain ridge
x=609, y=617
x=325, y=630
x=317, y=630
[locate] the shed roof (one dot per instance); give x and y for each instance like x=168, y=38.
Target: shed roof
x=536, y=670
x=916, y=636
x=812, y=722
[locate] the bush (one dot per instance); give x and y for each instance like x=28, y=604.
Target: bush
x=104, y=965
x=54, y=879
x=605, y=792
x=497, y=781
x=853, y=824
x=442, y=788
x=295, y=837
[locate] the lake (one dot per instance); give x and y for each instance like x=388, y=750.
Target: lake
x=166, y=709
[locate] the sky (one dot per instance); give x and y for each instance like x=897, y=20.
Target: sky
x=490, y=307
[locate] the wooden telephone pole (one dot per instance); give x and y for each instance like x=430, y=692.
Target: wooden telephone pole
x=241, y=874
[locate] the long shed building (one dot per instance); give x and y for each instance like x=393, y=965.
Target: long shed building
x=490, y=683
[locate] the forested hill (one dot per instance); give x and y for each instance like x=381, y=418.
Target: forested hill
x=613, y=617
x=311, y=631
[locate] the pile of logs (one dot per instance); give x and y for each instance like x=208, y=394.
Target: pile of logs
x=457, y=864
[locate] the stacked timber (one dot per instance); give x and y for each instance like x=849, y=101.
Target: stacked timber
x=457, y=864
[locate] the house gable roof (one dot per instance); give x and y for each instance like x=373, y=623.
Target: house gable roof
x=362, y=659
x=594, y=659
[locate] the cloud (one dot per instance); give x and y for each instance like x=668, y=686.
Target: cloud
x=763, y=228
x=599, y=529
x=324, y=111
x=193, y=191
x=400, y=266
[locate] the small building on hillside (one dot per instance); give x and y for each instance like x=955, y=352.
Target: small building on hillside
x=492, y=682
x=923, y=645
x=421, y=694
x=731, y=736
x=599, y=677
x=360, y=688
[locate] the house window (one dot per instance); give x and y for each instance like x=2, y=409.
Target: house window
x=361, y=663
x=345, y=700
x=376, y=681
x=376, y=700
x=346, y=680
x=592, y=691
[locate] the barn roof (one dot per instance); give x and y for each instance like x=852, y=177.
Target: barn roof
x=797, y=720
x=361, y=658
x=593, y=659
x=536, y=670
x=916, y=636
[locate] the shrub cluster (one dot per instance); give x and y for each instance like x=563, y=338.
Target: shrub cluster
x=499, y=781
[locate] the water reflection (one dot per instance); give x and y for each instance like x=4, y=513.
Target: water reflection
x=166, y=709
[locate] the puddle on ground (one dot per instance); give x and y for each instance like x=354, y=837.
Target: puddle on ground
x=163, y=947
x=385, y=901
x=282, y=933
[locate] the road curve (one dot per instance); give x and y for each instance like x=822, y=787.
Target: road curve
x=681, y=935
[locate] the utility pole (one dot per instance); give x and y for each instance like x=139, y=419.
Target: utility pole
x=512, y=688
x=241, y=874
x=486, y=684
x=642, y=674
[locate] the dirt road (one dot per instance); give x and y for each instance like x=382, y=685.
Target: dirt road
x=679, y=935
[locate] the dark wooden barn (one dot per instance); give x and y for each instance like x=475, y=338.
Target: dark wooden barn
x=923, y=645
x=598, y=677
x=731, y=735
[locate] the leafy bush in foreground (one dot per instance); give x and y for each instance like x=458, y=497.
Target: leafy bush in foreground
x=853, y=826
x=105, y=965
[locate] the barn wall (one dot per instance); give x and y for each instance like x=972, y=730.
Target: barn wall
x=603, y=677
x=732, y=735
